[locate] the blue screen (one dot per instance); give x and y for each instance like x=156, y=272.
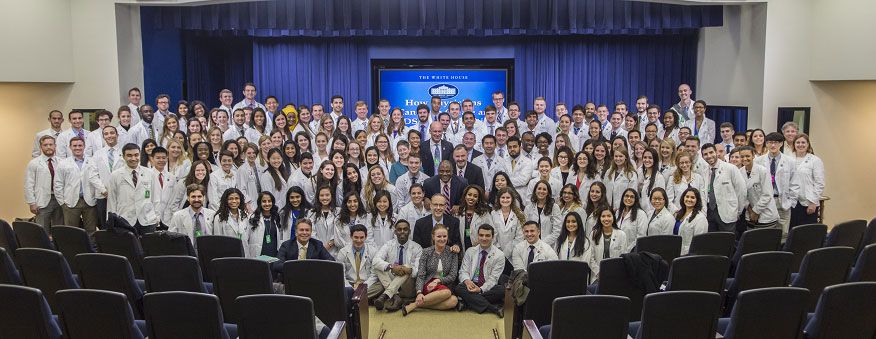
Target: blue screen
x=408, y=88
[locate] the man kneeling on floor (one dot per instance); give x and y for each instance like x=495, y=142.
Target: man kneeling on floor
x=481, y=287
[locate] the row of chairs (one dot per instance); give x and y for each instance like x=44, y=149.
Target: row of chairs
x=320, y=280
x=821, y=267
x=96, y=314
x=844, y=311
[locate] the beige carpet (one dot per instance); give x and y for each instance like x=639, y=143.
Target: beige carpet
x=428, y=324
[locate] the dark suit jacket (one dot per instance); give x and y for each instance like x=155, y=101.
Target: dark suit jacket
x=426, y=155
x=289, y=251
x=432, y=186
x=474, y=154
x=473, y=174
x=423, y=231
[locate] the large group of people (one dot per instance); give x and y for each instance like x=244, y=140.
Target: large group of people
x=438, y=210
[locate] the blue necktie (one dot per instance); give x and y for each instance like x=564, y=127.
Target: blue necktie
x=401, y=254
x=436, y=157
x=773, y=176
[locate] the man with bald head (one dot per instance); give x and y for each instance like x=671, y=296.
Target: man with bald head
x=439, y=215
x=434, y=149
x=684, y=107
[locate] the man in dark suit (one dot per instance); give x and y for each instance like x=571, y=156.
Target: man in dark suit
x=455, y=185
x=464, y=168
x=424, y=225
x=290, y=249
x=434, y=145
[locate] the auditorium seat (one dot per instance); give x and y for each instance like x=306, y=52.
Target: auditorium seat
x=759, y=270
x=678, y=314
x=95, y=314
x=8, y=272
x=169, y=315
x=167, y=273
x=698, y=273
x=767, y=313
x=281, y=316
x=30, y=235
x=549, y=280
x=324, y=283
x=125, y=244
x=754, y=241
x=217, y=246
x=847, y=233
x=574, y=316
x=71, y=241
x=865, y=266
x=7, y=237
x=615, y=280
x=713, y=243
x=47, y=271
x=25, y=314
x=869, y=237
x=110, y=272
x=234, y=277
x=844, y=311
x=667, y=247
x=166, y=243
x=821, y=268
x=802, y=239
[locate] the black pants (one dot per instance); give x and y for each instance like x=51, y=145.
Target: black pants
x=101, y=213
x=486, y=300
x=799, y=216
x=715, y=222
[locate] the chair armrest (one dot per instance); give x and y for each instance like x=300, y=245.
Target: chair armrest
x=530, y=330
x=509, y=307
x=339, y=330
x=360, y=311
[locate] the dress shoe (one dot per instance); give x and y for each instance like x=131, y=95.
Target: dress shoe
x=380, y=302
x=394, y=303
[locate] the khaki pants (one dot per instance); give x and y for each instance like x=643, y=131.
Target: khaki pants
x=391, y=285
x=784, y=218
x=82, y=216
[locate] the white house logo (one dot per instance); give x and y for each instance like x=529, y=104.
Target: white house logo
x=443, y=91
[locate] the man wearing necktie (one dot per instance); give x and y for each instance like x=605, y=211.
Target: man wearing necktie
x=435, y=149
x=482, y=283
x=395, y=265
x=465, y=169
x=533, y=249
x=302, y=247
x=357, y=259
x=782, y=169
x=447, y=185
x=38, y=185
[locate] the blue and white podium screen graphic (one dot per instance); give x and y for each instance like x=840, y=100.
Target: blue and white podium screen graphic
x=407, y=88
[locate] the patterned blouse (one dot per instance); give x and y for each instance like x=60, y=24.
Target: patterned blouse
x=429, y=266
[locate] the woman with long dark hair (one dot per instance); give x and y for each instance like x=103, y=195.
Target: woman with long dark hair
x=473, y=213
x=508, y=220
x=608, y=240
x=275, y=178
x=502, y=180
x=620, y=176
x=295, y=207
x=325, y=217
x=230, y=219
x=630, y=218
x=380, y=219
x=572, y=243
x=147, y=147
x=583, y=173
x=263, y=236
x=199, y=173
x=596, y=199
x=544, y=210
x=650, y=177
x=690, y=220
x=352, y=211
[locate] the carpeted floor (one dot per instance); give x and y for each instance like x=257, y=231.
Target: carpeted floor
x=428, y=324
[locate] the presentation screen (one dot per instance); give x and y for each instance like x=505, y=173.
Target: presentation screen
x=407, y=84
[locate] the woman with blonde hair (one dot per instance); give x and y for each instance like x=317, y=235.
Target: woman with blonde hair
x=508, y=220
x=171, y=126
x=682, y=178
x=177, y=159
x=666, y=154
x=438, y=268
x=620, y=176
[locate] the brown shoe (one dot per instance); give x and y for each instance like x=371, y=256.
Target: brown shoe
x=394, y=303
x=380, y=302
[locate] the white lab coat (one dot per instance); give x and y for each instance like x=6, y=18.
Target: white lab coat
x=388, y=254
x=786, y=168
x=617, y=246
x=706, y=131
x=219, y=183
x=730, y=191
x=508, y=232
x=661, y=224
x=760, y=195
x=411, y=214
x=165, y=194
x=520, y=254
x=498, y=164
x=246, y=182
x=328, y=229
x=476, y=221
x=138, y=203
x=551, y=223
x=62, y=143
x=616, y=183
x=645, y=193
x=235, y=228
x=631, y=227
x=105, y=165
x=690, y=228
x=674, y=190
x=69, y=178
x=521, y=173
x=810, y=178
x=182, y=222
x=35, y=152
x=494, y=264
x=347, y=257
x=380, y=229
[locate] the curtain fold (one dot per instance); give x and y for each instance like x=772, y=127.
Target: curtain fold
x=346, y=18
x=737, y=115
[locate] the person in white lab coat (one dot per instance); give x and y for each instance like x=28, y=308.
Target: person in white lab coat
x=725, y=193
x=396, y=265
x=630, y=217
x=544, y=210
x=573, y=244
x=106, y=160
x=165, y=187
x=77, y=121
x=620, y=176
x=761, y=211
x=221, y=180
x=132, y=193
x=508, y=220
x=263, y=230
x=56, y=119
x=358, y=260
x=782, y=169
x=474, y=211
x=661, y=221
x=481, y=285
x=810, y=177
x=532, y=249
x=325, y=226
x=701, y=126
x=650, y=177
x=194, y=220
x=608, y=240
x=231, y=217
x=78, y=186
x=690, y=219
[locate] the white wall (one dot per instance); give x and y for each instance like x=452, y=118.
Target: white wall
x=95, y=55
x=843, y=40
x=36, y=41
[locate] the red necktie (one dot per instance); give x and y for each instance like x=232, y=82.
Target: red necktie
x=161, y=179
x=446, y=191
x=481, y=268
x=134, y=177
x=52, y=170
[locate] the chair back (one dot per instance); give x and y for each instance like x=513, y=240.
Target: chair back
x=323, y=282
x=45, y=270
x=699, y=273
x=713, y=243
x=865, y=266
x=847, y=233
x=217, y=246
x=8, y=272
x=774, y=312
x=823, y=267
x=844, y=311
x=110, y=272
x=125, y=244
x=7, y=237
x=235, y=277
x=275, y=316
x=183, y=315
x=679, y=314
x=667, y=247
x=96, y=314
x=168, y=273
x=24, y=314
x=615, y=280
x=71, y=241
x=757, y=240
x=549, y=280
x=763, y=269
x=573, y=316
x=802, y=239
x=31, y=235
x=869, y=237
x=166, y=243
